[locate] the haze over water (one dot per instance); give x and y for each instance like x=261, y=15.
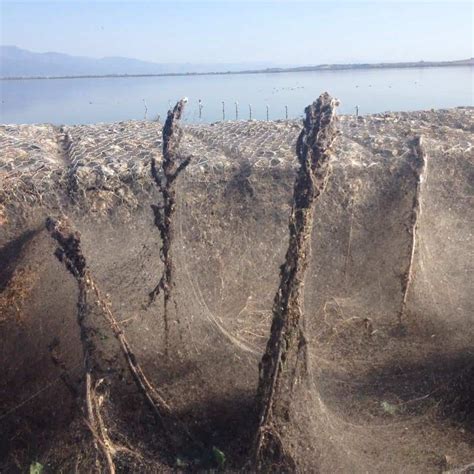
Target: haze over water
x=81, y=101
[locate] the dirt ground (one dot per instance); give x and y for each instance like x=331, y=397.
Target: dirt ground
x=385, y=395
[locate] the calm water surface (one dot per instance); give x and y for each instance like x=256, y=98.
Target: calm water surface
x=78, y=101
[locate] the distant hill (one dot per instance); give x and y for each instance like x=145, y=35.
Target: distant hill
x=333, y=67
x=17, y=62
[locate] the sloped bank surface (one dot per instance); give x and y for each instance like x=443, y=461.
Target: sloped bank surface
x=387, y=394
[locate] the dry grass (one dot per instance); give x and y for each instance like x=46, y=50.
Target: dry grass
x=3, y=216
x=16, y=293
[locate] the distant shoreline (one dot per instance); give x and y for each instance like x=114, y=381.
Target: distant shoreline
x=319, y=68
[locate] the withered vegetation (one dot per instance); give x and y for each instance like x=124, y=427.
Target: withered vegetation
x=417, y=161
x=96, y=384
x=87, y=383
x=284, y=365
x=172, y=165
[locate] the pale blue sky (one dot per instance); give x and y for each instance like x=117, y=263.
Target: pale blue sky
x=281, y=32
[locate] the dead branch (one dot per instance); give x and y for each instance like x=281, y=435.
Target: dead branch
x=417, y=161
x=165, y=176
x=284, y=361
x=69, y=252
x=177, y=434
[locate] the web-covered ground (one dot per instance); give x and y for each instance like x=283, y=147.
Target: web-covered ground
x=387, y=396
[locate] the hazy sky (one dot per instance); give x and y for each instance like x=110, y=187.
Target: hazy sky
x=222, y=31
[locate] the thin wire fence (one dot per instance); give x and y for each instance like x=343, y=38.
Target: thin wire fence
x=235, y=111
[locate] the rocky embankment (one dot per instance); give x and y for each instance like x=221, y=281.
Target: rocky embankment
x=378, y=379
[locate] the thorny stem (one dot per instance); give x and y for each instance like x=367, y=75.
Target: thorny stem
x=417, y=161
x=284, y=360
x=171, y=166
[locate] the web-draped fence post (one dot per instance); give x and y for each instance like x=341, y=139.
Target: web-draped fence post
x=236, y=110
x=250, y=111
x=283, y=368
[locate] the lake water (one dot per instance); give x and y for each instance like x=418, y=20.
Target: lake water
x=78, y=101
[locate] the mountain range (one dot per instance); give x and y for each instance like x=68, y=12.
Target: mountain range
x=20, y=63
x=17, y=62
